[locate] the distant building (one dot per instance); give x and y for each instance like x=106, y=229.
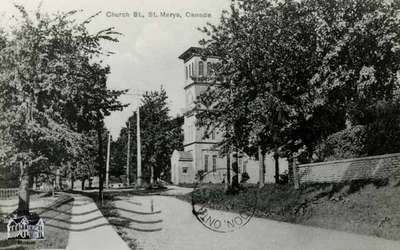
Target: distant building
x=24, y=228
x=199, y=152
x=115, y=182
x=91, y=182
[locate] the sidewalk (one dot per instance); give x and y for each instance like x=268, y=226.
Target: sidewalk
x=89, y=230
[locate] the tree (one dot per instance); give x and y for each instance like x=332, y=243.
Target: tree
x=362, y=67
x=118, y=156
x=293, y=72
x=160, y=135
x=262, y=94
x=45, y=63
x=83, y=166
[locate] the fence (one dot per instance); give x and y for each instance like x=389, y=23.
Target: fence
x=365, y=168
x=8, y=193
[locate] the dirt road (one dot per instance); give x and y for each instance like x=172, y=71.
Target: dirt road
x=168, y=223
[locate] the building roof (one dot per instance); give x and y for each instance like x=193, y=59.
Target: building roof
x=185, y=156
x=192, y=51
x=31, y=221
x=18, y=219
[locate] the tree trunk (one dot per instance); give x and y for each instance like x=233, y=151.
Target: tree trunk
x=151, y=174
x=72, y=182
x=276, y=158
x=23, y=196
x=290, y=168
x=261, y=167
x=228, y=171
x=100, y=160
x=34, y=185
x=83, y=184
x=235, y=178
x=228, y=168
x=58, y=178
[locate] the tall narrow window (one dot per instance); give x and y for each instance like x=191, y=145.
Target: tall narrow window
x=186, y=134
x=192, y=133
x=186, y=73
x=213, y=135
x=214, y=163
x=206, y=163
x=209, y=68
x=201, y=68
x=190, y=70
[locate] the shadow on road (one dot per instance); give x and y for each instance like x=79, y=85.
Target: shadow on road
x=91, y=215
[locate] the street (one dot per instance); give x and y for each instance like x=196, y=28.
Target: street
x=181, y=230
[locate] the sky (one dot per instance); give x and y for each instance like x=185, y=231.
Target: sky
x=146, y=56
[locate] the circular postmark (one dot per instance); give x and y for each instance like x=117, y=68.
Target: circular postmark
x=223, y=208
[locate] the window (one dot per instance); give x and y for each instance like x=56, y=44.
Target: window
x=186, y=73
x=188, y=133
x=201, y=68
x=184, y=170
x=214, y=163
x=213, y=135
x=206, y=163
x=190, y=70
x=208, y=68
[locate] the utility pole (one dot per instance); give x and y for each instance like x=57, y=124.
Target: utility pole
x=128, y=153
x=108, y=158
x=139, y=153
x=137, y=94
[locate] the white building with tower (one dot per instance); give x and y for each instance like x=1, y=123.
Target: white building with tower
x=199, y=152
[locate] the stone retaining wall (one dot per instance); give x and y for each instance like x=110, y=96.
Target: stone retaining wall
x=365, y=168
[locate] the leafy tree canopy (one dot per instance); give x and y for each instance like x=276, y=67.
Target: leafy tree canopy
x=293, y=72
x=53, y=92
x=160, y=136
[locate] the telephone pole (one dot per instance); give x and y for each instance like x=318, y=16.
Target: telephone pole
x=128, y=153
x=108, y=158
x=137, y=94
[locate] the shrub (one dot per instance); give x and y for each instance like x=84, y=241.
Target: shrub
x=284, y=177
x=379, y=134
x=245, y=177
x=200, y=174
x=348, y=143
